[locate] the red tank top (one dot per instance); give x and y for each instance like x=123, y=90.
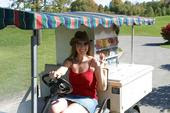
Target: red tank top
x=84, y=84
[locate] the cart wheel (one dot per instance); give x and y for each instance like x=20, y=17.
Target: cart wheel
x=134, y=109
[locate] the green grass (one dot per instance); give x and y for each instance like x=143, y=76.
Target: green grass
x=15, y=69
x=152, y=30
x=15, y=59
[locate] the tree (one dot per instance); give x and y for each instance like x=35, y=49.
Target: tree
x=61, y=5
x=163, y=11
x=149, y=12
x=100, y=8
x=141, y=10
x=84, y=5
x=115, y=5
x=162, y=1
x=168, y=10
x=154, y=4
x=125, y=8
x=128, y=3
x=21, y=4
x=158, y=11
x=106, y=9
x=38, y=5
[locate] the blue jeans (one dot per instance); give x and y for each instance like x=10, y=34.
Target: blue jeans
x=87, y=102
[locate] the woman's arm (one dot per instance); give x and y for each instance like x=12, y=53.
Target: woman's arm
x=101, y=74
x=61, y=70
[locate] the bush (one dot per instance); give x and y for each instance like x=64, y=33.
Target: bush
x=165, y=32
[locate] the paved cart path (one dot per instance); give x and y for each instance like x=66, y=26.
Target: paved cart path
x=147, y=51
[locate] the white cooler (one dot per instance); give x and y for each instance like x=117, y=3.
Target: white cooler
x=127, y=84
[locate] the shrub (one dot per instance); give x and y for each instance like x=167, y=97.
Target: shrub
x=165, y=32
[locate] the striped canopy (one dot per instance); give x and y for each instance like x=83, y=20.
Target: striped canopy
x=71, y=20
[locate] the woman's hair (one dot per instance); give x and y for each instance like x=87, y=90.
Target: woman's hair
x=79, y=36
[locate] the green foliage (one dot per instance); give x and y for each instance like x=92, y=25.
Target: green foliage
x=138, y=10
x=158, y=12
x=115, y=5
x=38, y=5
x=106, y=9
x=153, y=8
x=100, y=8
x=125, y=9
x=164, y=11
x=149, y=12
x=168, y=10
x=26, y=4
x=84, y=5
x=61, y=5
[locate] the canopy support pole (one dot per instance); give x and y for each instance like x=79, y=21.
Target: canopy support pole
x=132, y=45
x=34, y=72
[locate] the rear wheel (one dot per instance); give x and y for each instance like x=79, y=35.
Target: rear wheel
x=133, y=110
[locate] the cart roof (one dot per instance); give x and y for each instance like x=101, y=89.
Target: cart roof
x=71, y=20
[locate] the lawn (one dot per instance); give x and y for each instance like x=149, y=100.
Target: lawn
x=153, y=30
x=15, y=58
x=15, y=53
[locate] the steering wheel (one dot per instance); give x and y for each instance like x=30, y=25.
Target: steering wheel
x=57, y=86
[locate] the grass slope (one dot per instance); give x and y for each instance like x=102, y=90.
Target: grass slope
x=151, y=30
x=15, y=59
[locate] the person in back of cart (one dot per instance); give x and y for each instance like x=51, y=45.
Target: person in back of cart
x=86, y=75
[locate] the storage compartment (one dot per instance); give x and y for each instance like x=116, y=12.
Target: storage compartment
x=127, y=85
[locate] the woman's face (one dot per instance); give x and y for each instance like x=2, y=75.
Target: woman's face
x=82, y=47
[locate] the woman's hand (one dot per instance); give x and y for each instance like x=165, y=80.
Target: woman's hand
x=58, y=73
x=100, y=72
x=99, y=60
x=54, y=75
x=102, y=59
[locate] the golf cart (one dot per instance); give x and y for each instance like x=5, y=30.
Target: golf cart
x=127, y=83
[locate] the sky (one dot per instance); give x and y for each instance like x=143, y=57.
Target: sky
x=6, y=3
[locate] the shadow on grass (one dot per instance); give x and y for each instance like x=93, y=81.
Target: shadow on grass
x=159, y=98
x=165, y=67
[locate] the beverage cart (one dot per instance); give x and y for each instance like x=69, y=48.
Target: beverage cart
x=127, y=83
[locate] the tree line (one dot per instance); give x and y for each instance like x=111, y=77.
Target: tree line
x=150, y=9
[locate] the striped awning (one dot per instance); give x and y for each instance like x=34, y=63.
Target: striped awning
x=71, y=20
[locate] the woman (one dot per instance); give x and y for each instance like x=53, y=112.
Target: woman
x=85, y=75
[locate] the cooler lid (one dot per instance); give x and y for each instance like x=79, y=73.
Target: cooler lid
x=126, y=73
